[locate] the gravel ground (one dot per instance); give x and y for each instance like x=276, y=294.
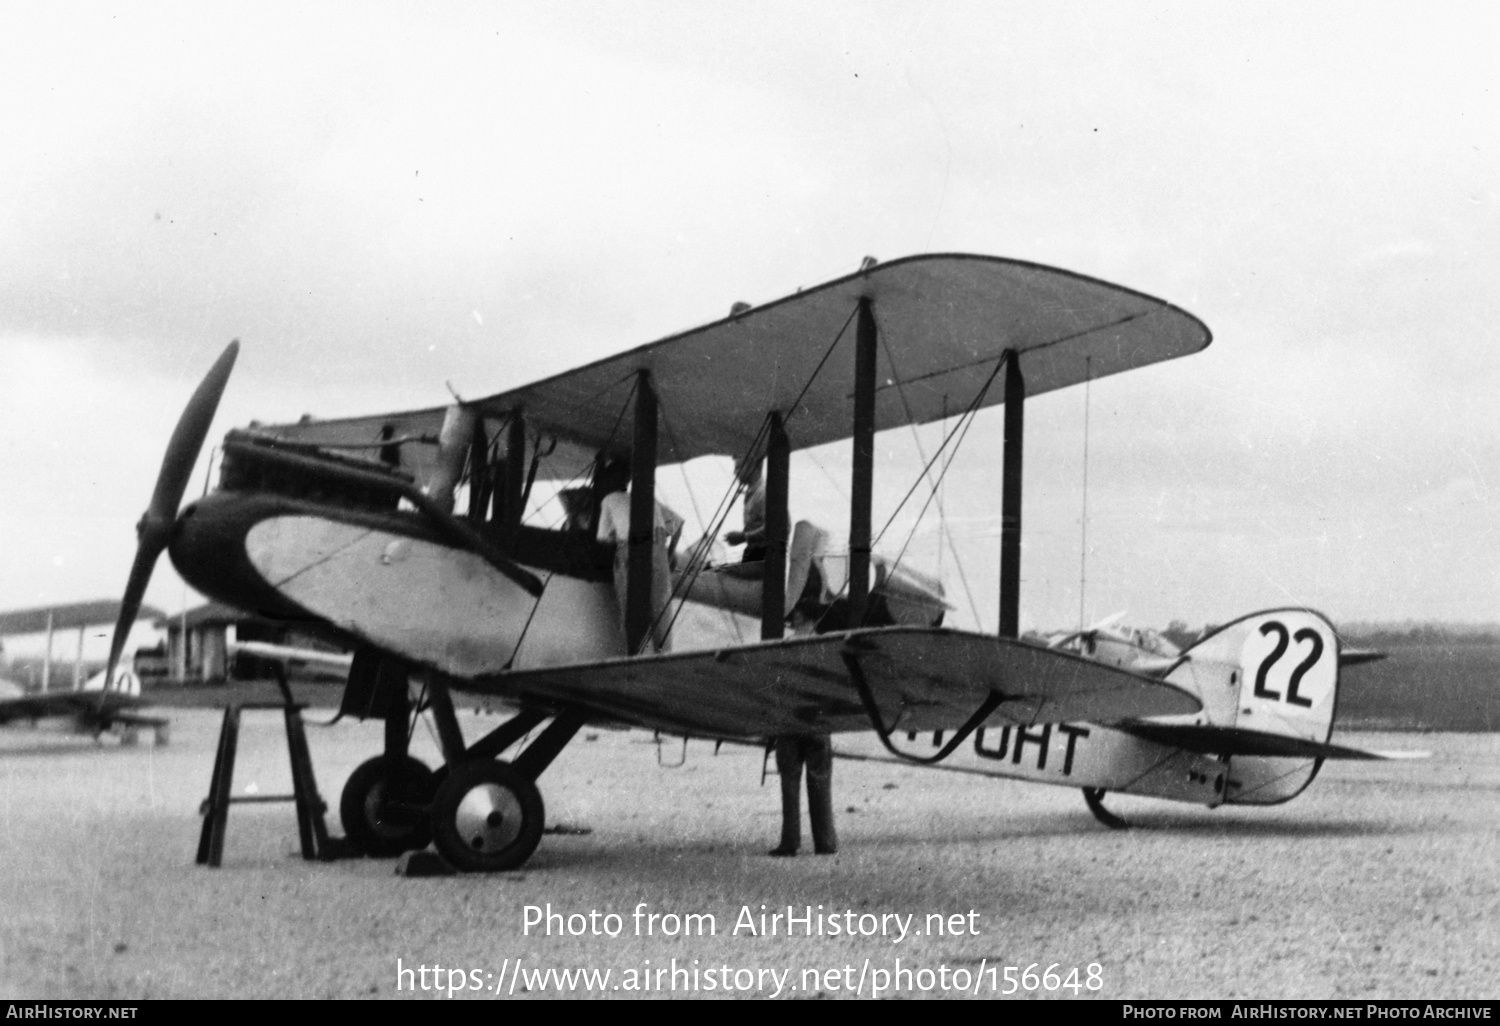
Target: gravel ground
x=1379, y=882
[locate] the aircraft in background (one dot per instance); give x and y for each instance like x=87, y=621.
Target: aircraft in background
x=405, y=537
x=93, y=705
x=1149, y=651
x=1109, y=641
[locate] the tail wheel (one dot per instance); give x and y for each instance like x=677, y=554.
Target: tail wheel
x=486, y=817
x=1094, y=798
x=384, y=806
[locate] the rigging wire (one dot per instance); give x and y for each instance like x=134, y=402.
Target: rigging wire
x=961, y=430
x=943, y=532
x=1083, y=541
x=619, y=419
x=699, y=562
x=942, y=510
x=797, y=402
x=963, y=423
x=527, y=627
x=967, y=423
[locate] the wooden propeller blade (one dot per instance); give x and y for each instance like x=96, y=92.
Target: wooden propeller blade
x=187, y=442
x=130, y=605
x=155, y=528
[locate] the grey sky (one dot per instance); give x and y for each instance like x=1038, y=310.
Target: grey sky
x=379, y=199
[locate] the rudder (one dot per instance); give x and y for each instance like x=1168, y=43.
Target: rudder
x=1283, y=676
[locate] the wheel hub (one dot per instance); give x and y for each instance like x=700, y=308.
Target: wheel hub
x=488, y=818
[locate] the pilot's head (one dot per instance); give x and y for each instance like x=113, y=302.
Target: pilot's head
x=746, y=470
x=613, y=475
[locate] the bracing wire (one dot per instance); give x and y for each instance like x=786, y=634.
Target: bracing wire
x=700, y=559
x=960, y=430
x=967, y=422
x=613, y=431
x=1083, y=521
x=943, y=532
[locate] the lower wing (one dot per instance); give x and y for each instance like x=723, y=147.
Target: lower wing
x=912, y=678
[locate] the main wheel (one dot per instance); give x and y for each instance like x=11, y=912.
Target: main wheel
x=384, y=806
x=486, y=817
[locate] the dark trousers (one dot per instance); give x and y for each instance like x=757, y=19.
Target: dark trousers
x=816, y=753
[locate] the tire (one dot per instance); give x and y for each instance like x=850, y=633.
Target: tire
x=486, y=817
x=384, y=806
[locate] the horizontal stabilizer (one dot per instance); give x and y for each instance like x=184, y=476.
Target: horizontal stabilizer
x=1356, y=656
x=1238, y=741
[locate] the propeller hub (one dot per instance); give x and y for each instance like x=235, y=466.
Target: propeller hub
x=154, y=530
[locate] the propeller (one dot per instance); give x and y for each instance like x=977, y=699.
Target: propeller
x=156, y=525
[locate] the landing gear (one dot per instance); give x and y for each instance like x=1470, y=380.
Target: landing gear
x=384, y=805
x=1094, y=798
x=486, y=817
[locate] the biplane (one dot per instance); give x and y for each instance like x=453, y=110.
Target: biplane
x=404, y=536
x=106, y=701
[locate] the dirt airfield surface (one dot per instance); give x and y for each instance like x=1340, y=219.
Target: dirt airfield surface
x=1380, y=881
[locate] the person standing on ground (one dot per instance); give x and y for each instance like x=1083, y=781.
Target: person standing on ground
x=815, y=751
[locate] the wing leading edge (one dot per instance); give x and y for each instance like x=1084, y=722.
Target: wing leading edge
x=921, y=679
x=944, y=321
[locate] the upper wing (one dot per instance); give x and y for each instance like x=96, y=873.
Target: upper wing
x=65, y=617
x=944, y=321
x=920, y=679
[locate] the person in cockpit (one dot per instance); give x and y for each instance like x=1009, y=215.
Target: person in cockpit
x=612, y=480
x=753, y=537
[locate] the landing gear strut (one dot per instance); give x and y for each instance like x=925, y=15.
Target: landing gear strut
x=384, y=807
x=484, y=815
x=487, y=816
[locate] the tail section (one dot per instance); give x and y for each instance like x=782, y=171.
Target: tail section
x=1269, y=685
x=125, y=683
x=1275, y=672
